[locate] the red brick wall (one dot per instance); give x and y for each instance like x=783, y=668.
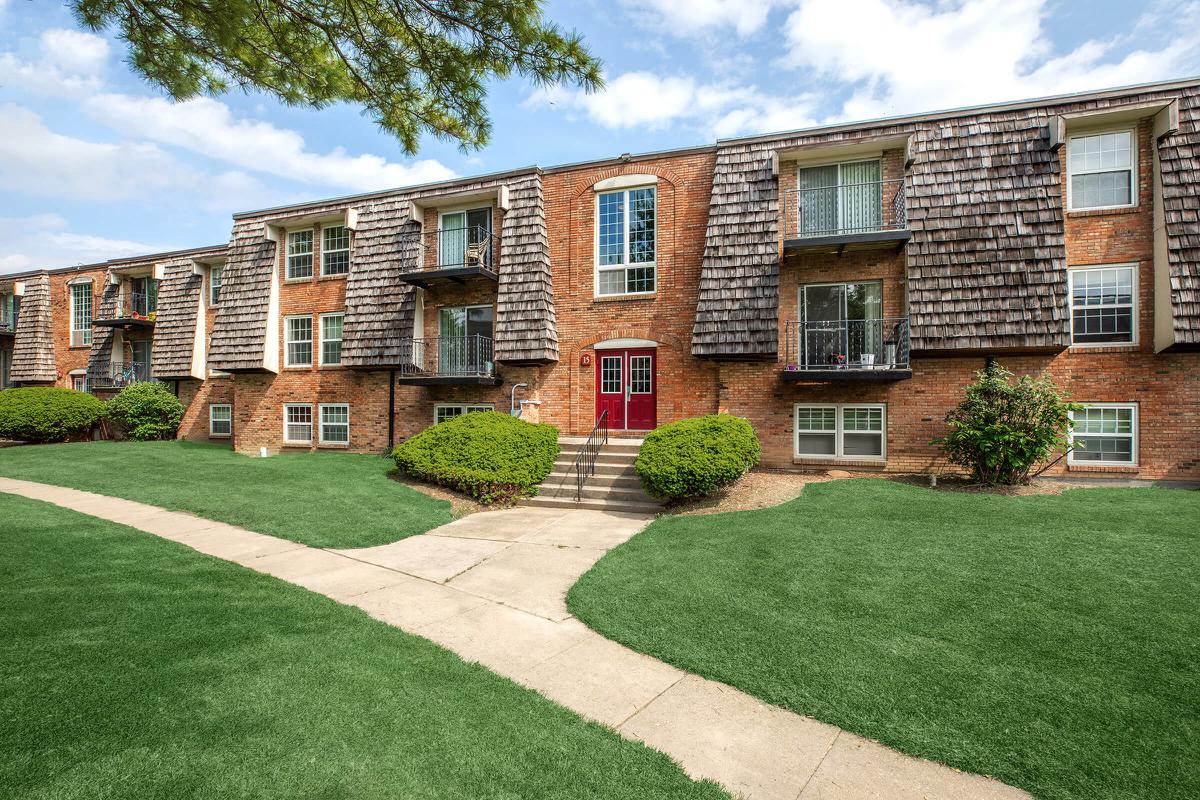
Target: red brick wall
x=70, y=358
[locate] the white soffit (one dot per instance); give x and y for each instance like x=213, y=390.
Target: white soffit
x=624, y=182
x=613, y=344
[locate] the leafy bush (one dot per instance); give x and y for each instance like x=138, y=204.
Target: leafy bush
x=47, y=414
x=695, y=457
x=1004, y=427
x=489, y=455
x=147, y=411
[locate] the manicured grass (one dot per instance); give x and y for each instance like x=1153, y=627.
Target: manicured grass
x=131, y=666
x=318, y=499
x=1052, y=642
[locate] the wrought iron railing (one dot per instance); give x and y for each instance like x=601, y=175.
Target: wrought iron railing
x=8, y=323
x=845, y=209
x=589, y=451
x=118, y=376
x=447, y=248
x=448, y=356
x=856, y=344
x=136, y=305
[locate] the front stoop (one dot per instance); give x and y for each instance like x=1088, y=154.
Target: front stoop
x=612, y=487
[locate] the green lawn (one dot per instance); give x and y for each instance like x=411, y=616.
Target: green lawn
x=1052, y=642
x=318, y=499
x=131, y=666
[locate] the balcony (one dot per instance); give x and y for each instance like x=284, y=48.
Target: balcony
x=118, y=376
x=847, y=217
x=8, y=325
x=448, y=360
x=454, y=255
x=847, y=350
x=132, y=310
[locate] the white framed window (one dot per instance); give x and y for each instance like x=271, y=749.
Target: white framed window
x=220, y=419
x=297, y=423
x=445, y=411
x=81, y=314
x=79, y=381
x=851, y=430
x=1105, y=434
x=214, y=284
x=1102, y=170
x=625, y=241
x=331, y=338
x=297, y=337
x=335, y=423
x=299, y=254
x=335, y=250
x=1103, y=304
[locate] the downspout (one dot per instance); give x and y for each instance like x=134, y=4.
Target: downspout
x=391, y=409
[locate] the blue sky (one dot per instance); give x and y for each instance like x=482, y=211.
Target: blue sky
x=95, y=164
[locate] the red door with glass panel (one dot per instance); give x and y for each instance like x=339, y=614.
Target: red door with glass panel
x=627, y=388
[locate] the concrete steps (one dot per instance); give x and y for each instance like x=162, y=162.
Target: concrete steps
x=612, y=487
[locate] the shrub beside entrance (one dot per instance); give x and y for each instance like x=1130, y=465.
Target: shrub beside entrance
x=489, y=455
x=147, y=411
x=695, y=457
x=47, y=414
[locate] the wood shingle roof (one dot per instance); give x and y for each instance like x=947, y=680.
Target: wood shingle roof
x=33, y=348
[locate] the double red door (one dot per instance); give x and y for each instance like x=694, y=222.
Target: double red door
x=627, y=388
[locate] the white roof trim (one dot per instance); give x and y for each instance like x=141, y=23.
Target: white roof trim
x=624, y=182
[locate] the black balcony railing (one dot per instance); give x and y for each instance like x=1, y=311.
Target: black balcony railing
x=850, y=344
x=8, y=323
x=845, y=209
x=449, y=248
x=448, y=357
x=118, y=376
x=134, y=305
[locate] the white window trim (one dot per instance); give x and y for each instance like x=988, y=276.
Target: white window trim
x=346, y=250
x=464, y=406
x=85, y=338
x=314, y=421
x=321, y=355
x=1135, y=436
x=838, y=433
x=320, y=423
x=1133, y=166
x=287, y=253
x=1071, y=271
x=596, y=267
x=219, y=270
x=286, y=352
x=213, y=434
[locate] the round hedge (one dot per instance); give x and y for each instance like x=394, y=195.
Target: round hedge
x=147, y=410
x=493, y=457
x=695, y=457
x=47, y=414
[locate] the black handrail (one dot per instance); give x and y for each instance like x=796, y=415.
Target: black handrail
x=589, y=452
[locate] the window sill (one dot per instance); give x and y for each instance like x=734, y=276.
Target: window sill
x=220, y=436
x=1120, y=469
x=309, y=279
x=1104, y=348
x=614, y=298
x=305, y=445
x=331, y=367
x=1103, y=212
x=862, y=463
x=338, y=277
x=297, y=367
x=329, y=446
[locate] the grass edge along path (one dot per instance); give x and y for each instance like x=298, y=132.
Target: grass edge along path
x=1048, y=641
x=322, y=499
x=134, y=665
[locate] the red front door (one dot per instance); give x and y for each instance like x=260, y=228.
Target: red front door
x=627, y=388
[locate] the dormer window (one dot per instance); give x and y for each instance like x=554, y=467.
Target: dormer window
x=299, y=254
x=335, y=250
x=1102, y=170
x=625, y=241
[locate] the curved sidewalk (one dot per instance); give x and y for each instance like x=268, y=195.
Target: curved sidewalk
x=492, y=586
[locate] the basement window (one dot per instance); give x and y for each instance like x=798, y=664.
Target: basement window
x=335, y=423
x=1104, y=434
x=297, y=423
x=220, y=419
x=850, y=431
x=445, y=411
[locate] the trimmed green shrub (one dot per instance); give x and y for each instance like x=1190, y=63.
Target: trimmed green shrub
x=147, y=411
x=492, y=456
x=47, y=414
x=695, y=457
x=1004, y=427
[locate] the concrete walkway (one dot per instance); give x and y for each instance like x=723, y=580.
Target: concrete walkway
x=491, y=587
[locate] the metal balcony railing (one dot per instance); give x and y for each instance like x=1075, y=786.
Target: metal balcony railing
x=448, y=248
x=118, y=376
x=8, y=322
x=448, y=357
x=136, y=305
x=845, y=209
x=852, y=344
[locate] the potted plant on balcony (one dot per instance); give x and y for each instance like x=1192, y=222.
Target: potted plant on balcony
x=840, y=360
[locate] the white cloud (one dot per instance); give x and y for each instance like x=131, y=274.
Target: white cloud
x=42, y=241
x=908, y=56
x=691, y=17
x=70, y=63
x=208, y=127
x=643, y=99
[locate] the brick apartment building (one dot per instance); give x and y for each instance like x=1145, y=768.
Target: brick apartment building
x=837, y=286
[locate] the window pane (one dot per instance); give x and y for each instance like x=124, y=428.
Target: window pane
x=299, y=423
x=862, y=444
x=610, y=374
x=299, y=341
x=641, y=226
x=299, y=258
x=1102, y=305
x=611, y=227
x=640, y=381
x=331, y=339
x=1102, y=448
x=862, y=419
x=335, y=424
x=443, y=413
x=816, y=444
x=214, y=284
x=816, y=419
x=220, y=419
x=640, y=279
x=612, y=281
